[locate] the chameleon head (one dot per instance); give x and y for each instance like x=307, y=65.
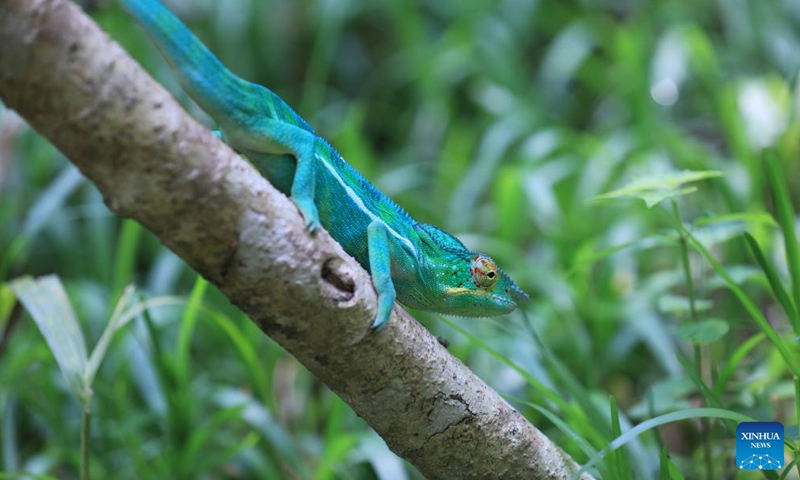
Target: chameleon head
x=457, y=281
x=472, y=285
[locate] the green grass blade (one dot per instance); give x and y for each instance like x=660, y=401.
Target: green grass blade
x=710, y=397
x=105, y=339
x=663, y=472
x=24, y=475
x=787, y=470
x=593, y=415
x=540, y=387
x=565, y=427
x=6, y=305
x=135, y=310
x=125, y=258
x=200, y=442
x=338, y=442
x=788, y=356
x=738, y=355
x=48, y=202
x=247, y=352
x=785, y=212
x=188, y=322
x=774, y=282
x=9, y=440
x=260, y=419
x=620, y=459
x=336, y=450
x=674, y=473
x=688, y=414
x=797, y=403
x=319, y=64
x=581, y=412
x=48, y=304
x=121, y=317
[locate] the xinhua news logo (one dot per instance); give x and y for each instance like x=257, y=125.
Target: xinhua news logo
x=759, y=446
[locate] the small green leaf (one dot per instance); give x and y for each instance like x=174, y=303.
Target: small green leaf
x=47, y=302
x=655, y=188
x=704, y=331
x=655, y=197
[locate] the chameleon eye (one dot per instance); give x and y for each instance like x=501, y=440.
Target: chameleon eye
x=483, y=271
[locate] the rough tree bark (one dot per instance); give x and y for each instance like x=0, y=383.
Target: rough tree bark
x=155, y=164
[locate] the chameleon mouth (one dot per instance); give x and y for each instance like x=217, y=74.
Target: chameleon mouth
x=485, y=303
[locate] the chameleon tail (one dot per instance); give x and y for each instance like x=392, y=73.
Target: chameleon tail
x=224, y=96
x=201, y=74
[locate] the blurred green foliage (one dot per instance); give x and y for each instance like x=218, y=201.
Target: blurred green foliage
x=498, y=121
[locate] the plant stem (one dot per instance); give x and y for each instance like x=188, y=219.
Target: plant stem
x=85, y=443
x=687, y=269
x=797, y=414
x=698, y=353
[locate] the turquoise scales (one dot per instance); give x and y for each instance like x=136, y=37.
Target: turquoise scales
x=419, y=265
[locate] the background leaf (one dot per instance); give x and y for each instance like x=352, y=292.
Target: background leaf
x=657, y=187
x=47, y=302
x=704, y=331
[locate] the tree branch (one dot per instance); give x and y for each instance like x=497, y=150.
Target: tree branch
x=155, y=164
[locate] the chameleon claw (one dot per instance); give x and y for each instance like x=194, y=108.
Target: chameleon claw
x=379, y=324
x=312, y=226
x=309, y=212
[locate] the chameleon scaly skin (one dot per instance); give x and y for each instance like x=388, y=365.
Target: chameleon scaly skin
x=419, y=265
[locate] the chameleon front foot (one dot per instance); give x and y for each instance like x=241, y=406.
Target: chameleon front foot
x=380, y=267
x=309, y=212
x=381, y=321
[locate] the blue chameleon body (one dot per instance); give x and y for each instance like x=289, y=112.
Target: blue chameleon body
x=419, y=265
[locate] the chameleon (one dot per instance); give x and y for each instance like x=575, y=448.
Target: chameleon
x=417, y=264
